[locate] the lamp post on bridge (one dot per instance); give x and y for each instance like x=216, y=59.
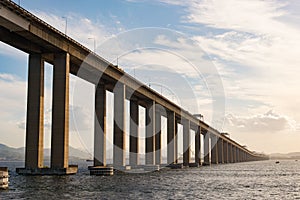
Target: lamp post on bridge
x=199, y=116
x=66, y=24
x=93, y=38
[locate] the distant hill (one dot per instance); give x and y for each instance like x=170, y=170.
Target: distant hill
x=292, y=155
x=9, y=153
x=16, y=154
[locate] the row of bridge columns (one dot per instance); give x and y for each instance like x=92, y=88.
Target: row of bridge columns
x=35, y=115
x=216, y=150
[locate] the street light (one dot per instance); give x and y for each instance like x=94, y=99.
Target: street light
x=200, y=116
x=66, y=24
x=92, y=38
x=225, y=134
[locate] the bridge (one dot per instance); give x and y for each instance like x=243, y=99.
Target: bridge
x=43, y=43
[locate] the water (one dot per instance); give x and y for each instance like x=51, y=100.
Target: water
x=254, y=180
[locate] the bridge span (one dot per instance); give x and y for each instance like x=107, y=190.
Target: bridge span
x=43, y=43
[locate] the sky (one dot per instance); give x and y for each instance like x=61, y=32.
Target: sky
x=235, y=62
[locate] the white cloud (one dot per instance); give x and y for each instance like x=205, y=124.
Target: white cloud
x=81, y=118
x=255, y=49
x=269, y=122
x=242, y=15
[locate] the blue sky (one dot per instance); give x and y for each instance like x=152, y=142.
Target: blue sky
x=251, y=47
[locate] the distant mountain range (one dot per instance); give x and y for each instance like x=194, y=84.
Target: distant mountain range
x=293, y=155
x=18, y=154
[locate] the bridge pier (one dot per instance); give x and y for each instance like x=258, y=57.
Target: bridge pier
x=100, y=126
x=171, y=138
x=225, y=151
x=60, y=112
x=214, y=149
x=150, y=136
x=186, y=142
x=60, y=115
x=233, y=154
x=119, y=126
x=176, y=140
x=244, y=156
x=158, y=159
x=198, y=145
x=229, y=152
x=220, y=151
x=134, y=133
x=34, y=156
x=206, y=149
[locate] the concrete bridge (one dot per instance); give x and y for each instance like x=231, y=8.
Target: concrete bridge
x=42, y=42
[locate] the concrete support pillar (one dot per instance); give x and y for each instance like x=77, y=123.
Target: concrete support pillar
x=242, y=156
x=214, y=149
x=186, y=142
x=35, y=113
x=229, y=153
x=225, y=151
x=198, y=145
x=100, y=126
x=171, y=137
x=60, y=112
x=119, y=126
x=206, y=148
x=158, y=160
x=220, y=151
x=176, y=141
x=134, y=133
x=150, y=135
x=234, y=153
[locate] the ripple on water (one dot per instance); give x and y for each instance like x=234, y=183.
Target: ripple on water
x=253, y=180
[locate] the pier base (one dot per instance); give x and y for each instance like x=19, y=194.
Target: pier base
x=101, y=171
x=206, y=164
x=194, y=164
x=72, y=169
x=176, y=166
x=151, y=168
x=121, y=169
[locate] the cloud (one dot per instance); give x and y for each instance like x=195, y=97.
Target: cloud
x=81, y=118
x=255, y=48
x=269, y=122
x=242, y=15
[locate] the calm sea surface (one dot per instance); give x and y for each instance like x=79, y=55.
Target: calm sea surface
x=254, y=180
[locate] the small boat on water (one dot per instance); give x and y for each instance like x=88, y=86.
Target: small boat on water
x=4, y=178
